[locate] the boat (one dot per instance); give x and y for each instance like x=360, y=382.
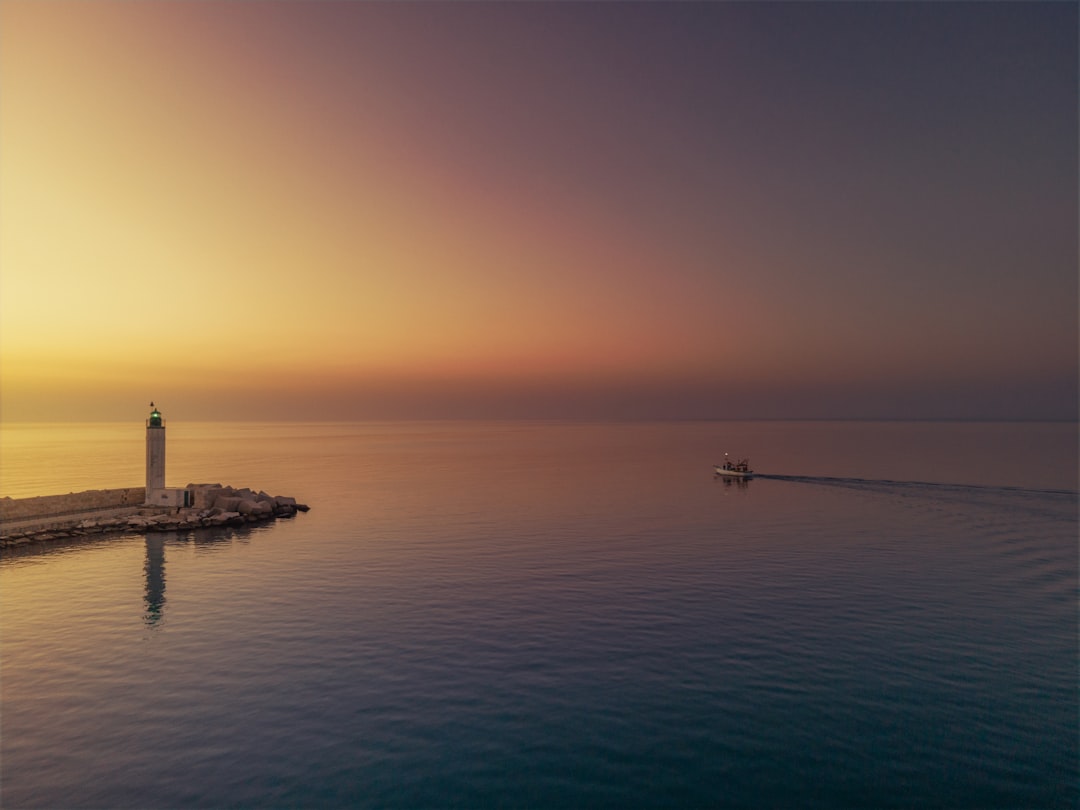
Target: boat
x=734, y=469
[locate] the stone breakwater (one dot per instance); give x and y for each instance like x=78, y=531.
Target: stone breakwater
x=36, y=520
x=91, y=500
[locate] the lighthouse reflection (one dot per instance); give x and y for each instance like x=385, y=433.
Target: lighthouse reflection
x=206, y=541
x=155, y=579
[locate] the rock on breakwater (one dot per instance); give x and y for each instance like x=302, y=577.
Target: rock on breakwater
x=214, y=505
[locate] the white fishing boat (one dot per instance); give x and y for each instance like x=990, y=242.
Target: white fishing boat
x=734, y=469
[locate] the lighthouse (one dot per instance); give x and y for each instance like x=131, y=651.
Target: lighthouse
x=155, y=455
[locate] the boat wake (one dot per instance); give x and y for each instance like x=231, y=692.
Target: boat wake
x=885, y=483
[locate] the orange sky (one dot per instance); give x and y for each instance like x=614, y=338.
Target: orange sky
x=334, y=210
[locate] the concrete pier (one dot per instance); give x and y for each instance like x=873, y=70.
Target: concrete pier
x=80, y=514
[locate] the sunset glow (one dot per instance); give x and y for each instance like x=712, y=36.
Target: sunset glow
x=338, y=210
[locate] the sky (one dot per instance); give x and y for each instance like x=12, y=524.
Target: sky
x=340, y=210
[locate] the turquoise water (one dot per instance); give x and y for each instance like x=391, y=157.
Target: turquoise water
x=555, y=615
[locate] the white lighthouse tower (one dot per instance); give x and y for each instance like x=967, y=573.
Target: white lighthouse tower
x=155, y=455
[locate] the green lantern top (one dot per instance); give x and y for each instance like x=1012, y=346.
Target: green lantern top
x=155, y=417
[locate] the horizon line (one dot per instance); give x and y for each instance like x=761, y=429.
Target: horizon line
x=573, y=419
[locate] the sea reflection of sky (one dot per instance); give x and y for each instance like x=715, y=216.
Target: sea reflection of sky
x=578, y=614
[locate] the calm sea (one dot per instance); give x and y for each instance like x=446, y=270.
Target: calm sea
x=555, y=615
